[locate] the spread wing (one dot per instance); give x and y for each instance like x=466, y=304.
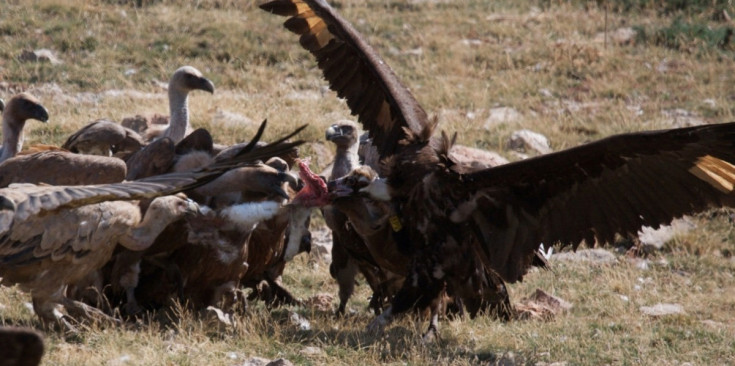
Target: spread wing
x=595, y=191
x=385, y=107
x=31, y=200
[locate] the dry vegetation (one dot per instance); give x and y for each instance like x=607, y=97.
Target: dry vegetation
x=548, y=60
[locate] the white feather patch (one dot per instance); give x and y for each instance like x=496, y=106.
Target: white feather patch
x=249, y=214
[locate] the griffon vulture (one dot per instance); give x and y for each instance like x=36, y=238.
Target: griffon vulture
x=19, y=109
x=103, y=137
x=183, y=81
x=52, y=236
x=500, y=215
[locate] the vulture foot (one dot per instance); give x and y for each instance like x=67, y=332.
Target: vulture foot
x=377, y=326
x=432, y=334
x=80, y=310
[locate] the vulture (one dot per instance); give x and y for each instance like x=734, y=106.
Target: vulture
x=50, y=167
x=19, y=109
x=183, y=81
x=500, y=215
x=350, y=254
x=20, y=346
x=53, y=236
x=103, y=137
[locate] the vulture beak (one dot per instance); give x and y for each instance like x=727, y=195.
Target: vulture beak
x=337, y=189
x=192, y=209
x=206, y=85
x=333, y=132
x=39, y=113
x=2, y=105
x=7, y=204
x=279, y=191
x=293, y=182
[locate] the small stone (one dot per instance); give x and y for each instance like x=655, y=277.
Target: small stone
x=662, y=309
x=525, y=140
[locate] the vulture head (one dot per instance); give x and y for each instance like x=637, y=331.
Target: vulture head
x=363, y=181
x=344, y=134
x=23, y=107
x=16, y=112
x=188, y=78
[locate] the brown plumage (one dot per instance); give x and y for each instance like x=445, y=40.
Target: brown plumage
x=57, y=167
x=500, y=215
x=103, y=137
x=52, y=236
x=19, y=109
x=350, y=254
x=20, y=346
x=50, y=165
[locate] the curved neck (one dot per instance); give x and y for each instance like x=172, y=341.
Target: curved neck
x=12, y=137
x=345, y=161
x=143, y=235
x=178, y=103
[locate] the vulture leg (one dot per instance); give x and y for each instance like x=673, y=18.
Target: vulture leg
x=344, y=274
x=421, y=289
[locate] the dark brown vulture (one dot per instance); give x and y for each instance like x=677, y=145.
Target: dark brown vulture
x=19, y=109
x=53, y=236
x=500, y=215
x=20, y=346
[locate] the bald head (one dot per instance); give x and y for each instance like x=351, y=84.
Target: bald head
x=188, y=78
x=25, y=106
x=344, y=133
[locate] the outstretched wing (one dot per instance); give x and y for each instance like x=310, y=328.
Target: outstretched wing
x=355, y=71
x=595, y=191
x=31, y=199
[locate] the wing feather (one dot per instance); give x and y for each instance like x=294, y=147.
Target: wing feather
x=338, y=47
x=594, y=192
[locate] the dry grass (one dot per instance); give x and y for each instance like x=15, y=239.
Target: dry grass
x=461, y=59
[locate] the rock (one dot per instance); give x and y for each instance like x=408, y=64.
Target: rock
x=678, y=118
x=228, y=118
x=300, y=321
x=320, y=302
x=138, y=123
x=40, y=55
x=476, y=158
x=662, y=309
x=311, y=351
x=524, y=140
x=321, y=244
x=595, y=256
x=541, y=306
x=501, y=115
x=256, y=361
x=620, y=36
x=656, y=238
x=280, y=362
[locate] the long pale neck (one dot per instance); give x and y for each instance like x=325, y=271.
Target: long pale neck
x=178, y=103
x=12, y=137
x=345, y=161
x=145, y=233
